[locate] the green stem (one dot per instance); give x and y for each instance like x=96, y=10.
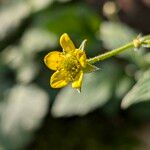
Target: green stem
x=147, y=37
x=116, y=51
x=110, y=54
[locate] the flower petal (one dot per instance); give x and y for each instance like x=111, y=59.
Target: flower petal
x=78, y=81
x=59, y=79
x=81, y=56
x=53, y=60
x=66, y=43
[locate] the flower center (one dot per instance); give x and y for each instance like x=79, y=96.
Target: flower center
x=72, y=66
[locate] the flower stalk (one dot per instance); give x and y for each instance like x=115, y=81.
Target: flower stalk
x=110, y=53
x=136, y=43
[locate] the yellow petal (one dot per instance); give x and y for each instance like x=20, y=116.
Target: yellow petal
x=53, y=60
x=81, y=56
x=59, y=79
x=66, y=43
x=78, y=81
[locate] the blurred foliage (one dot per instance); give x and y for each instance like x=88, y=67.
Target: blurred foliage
x=123, y=35
x=140, y=91
x=95, y=120
x=98, y=86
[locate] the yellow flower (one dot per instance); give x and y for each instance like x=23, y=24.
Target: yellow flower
x=70, y=65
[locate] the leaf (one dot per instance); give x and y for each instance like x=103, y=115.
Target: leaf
x=146, y=58
x=39, y=5
x=78, y=20
x=22, y=113
x=123, y=86
x=115, y=34
x=139, y=93
x=12, y=16
x=37, y=39
x=69, y=102
x=96, y=91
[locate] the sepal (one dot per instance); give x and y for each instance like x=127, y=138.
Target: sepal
x=90, y=68
x=83, y=44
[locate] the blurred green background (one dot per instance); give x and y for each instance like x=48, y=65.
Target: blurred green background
x=113, y=110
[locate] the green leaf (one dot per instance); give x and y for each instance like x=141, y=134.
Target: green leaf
x=146, y=58
x=11, y=17
x=14, y=15
x=97, y=89
x=39, y=5
x=124, y=84
x=115, y=34
x=22, y=113
x=78, y=20
x=36, y=39
x=69, y=102
x=139, y=93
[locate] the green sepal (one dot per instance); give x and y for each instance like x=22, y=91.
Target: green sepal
x=90, y=68
x=83, y=44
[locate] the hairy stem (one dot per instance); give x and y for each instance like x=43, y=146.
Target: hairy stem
x=119, y=50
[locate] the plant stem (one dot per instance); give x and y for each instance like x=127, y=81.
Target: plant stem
x=117, y=51
x=110, y=53
x=147, y=37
